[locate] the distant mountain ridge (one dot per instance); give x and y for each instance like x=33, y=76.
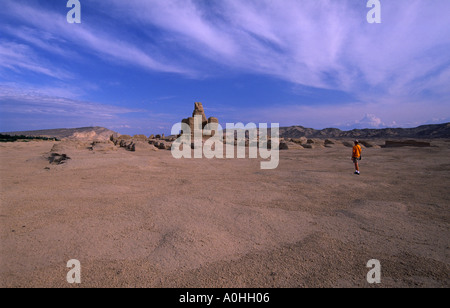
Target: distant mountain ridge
x=432, y=131
x=423, y=132
x=82, y=133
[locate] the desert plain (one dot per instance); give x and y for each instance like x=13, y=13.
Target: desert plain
x=145, y=219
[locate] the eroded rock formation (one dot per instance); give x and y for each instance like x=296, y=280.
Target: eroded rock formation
x=200, y=111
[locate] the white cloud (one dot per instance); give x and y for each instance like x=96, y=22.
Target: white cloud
x=371, y=121
x=106, y=45
x=28, y=101
x=18, y=57
x=324, y=44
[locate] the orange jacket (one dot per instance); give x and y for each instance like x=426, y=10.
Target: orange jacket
x=357, y=151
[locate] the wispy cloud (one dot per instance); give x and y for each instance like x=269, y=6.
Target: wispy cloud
x=399, y=69
x=41, y=40
x=323, y=44
x=45, y=109
x=106, y=45
x=29, y=101
x=393, y=69
x=19, y=57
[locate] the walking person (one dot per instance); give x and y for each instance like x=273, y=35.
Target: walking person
x=356, y=156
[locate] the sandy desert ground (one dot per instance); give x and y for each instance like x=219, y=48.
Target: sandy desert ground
x=144, y=219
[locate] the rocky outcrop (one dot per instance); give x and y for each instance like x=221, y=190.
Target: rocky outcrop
x=284, y=146
x=139, y=146
x=368, y=144
x=190, y=123
x=213, y=120
x=57, y=159
x=102, y=146
x=308, y=146
x=133, y=144
x=293, y=146
x=299, y=141
x=329, y=143
x=199, y=111
x=162, y=146
x=140, y=138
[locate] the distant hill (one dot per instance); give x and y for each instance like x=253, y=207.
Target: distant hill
x=422, y=132
x=83, y=133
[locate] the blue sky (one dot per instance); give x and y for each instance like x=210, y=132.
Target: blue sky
x=138, y=66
